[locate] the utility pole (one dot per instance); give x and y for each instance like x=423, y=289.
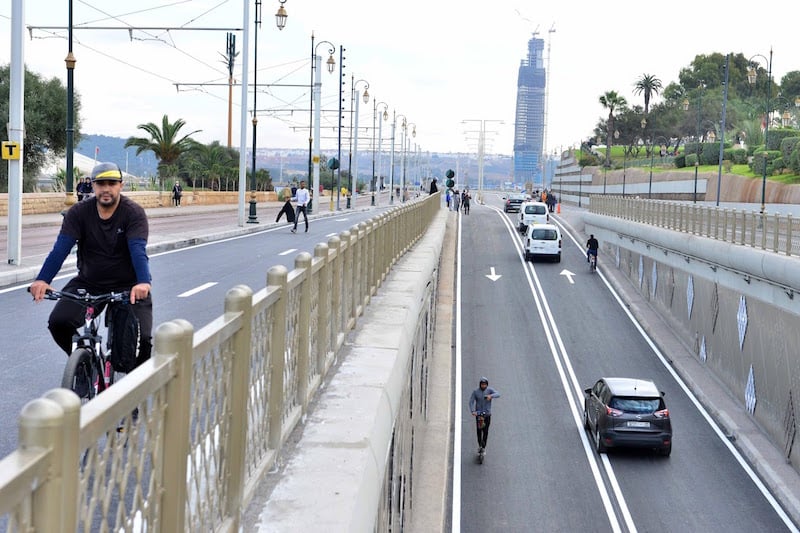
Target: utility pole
x=230, y=59
x=481, y=150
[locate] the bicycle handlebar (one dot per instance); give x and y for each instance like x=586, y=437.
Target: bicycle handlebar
x=87, y=298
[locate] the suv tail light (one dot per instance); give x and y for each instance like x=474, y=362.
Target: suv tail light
x=610, y=411
x=664, y=413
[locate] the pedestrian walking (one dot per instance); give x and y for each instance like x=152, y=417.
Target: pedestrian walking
x=177, y=192
x=303, y=198
x=465, y=197
x=456, y=201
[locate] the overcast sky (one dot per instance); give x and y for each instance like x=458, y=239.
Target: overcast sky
x=438, y=62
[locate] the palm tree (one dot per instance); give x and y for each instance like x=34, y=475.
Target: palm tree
x=648, y=85
x=611, y=101
x=163, y=142
x=213, y=159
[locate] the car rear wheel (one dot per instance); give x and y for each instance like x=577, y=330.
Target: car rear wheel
x=585, y=417
x=598, y=442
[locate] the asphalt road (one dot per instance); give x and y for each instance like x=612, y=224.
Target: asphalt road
x=542, y=333
x=30, y=362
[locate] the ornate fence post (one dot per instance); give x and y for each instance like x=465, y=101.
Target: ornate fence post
x=173, y=340
x=71, y=406
x=323, y=296
x=277, y=277
x=303, y=261
x=239, y=299
x=41, y=427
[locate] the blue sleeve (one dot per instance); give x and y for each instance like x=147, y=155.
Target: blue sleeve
x=495, y=394
x=141, y=265
x=55, y=258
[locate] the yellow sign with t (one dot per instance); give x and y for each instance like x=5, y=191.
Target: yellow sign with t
x=10, y=150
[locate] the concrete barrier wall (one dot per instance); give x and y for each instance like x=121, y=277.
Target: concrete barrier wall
x=733, y=306
x=55, y=202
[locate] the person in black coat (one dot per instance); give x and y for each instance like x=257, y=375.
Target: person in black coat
x=288, y=211
x=434, y=188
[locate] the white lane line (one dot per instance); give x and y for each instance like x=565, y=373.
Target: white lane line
x=542, y=309
x=287, y=252
x=201, y=288
x=699, y=406
x=334, y=234
x=456, y=517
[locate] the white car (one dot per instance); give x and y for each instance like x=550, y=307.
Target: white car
x=543, y=240
x=532, y=213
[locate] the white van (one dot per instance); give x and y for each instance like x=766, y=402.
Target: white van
x=543, y=240
x=532, y=213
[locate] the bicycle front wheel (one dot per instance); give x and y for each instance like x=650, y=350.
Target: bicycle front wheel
x=81, y=374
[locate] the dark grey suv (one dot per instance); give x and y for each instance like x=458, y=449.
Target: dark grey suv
x=513, y=202
x=627, y=412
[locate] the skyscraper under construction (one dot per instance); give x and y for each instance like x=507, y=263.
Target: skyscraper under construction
x=530, y=116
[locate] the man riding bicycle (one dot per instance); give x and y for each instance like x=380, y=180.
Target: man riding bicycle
x=480, y=405
x=111, y=232
x=592, y=246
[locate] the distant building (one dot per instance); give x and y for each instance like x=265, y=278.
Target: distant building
x=530, y=116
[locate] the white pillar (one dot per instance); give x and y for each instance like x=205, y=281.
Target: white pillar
x=317, y=113
x=354, y=170
x=243, y=117
x=16, y=121
x=380, y=146
x=391, y=160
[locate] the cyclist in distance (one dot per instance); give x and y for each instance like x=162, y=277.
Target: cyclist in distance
x=591, y=248
x=111, y=232
x=480, y=403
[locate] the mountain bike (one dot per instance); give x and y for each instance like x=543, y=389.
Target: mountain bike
x=89, y=370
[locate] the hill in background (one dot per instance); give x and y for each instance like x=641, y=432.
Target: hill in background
x=113, y=149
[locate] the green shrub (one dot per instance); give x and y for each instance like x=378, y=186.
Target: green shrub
x=680, y=160
x=788, y=144
x=761, y=158
x=776, y=137
x=690, y=160
x=737, y=155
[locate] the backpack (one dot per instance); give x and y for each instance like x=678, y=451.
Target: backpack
x=123, y=338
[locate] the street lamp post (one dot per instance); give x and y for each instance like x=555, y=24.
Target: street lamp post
x=280, y=21
x=354, y=173
x=404, y=183
x=70, y=61
x=339, y=151
x=624, y=162
x=751, y=77
x=652, y=157
x=316, y=84
x=377, y=176
x=403, y=125
x=697, y=138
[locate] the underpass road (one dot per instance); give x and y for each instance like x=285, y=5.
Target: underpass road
x=537, y=475
x=534, y=456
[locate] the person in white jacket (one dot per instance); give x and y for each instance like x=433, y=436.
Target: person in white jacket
x=302, y=203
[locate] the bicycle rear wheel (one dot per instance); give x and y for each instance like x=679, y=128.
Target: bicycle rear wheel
x=81, y=374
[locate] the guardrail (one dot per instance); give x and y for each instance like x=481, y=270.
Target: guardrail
x=772, y=232
x=214, y=406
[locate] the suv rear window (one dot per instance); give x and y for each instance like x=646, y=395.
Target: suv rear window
x=535, y=210
x=635, y=405
x=543, y=234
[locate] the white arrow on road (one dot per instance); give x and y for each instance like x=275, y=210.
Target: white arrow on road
x=493, y=276
x=569, y=275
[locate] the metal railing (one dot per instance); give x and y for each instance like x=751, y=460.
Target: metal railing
x=771, y=232
x=214, y=405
